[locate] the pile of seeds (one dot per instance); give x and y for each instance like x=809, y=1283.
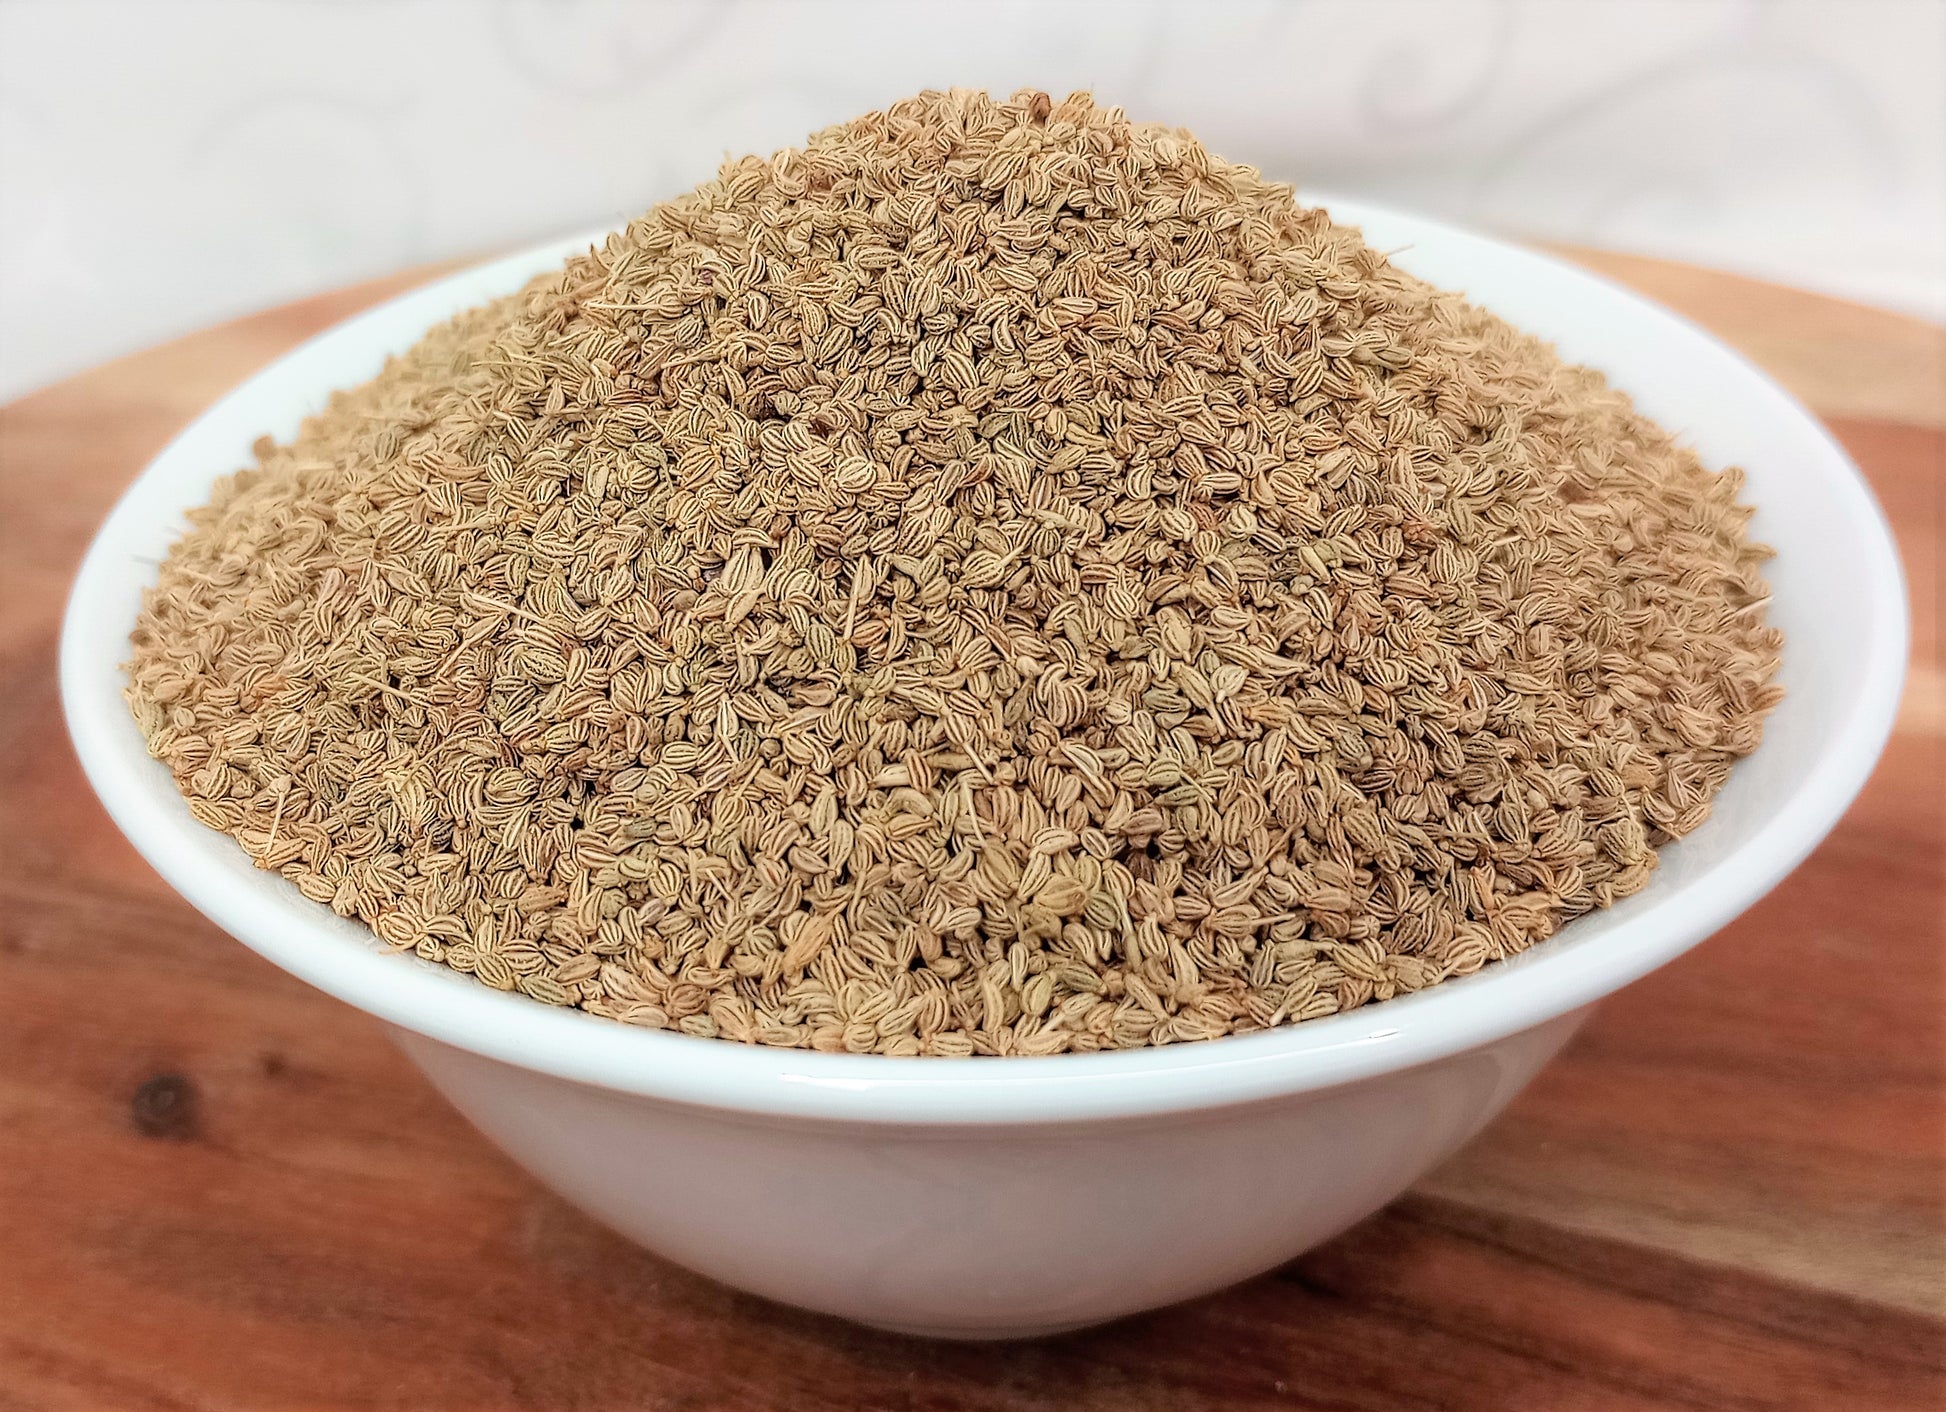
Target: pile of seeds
x=999, y=580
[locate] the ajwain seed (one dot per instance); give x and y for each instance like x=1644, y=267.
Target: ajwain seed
x=997, y=580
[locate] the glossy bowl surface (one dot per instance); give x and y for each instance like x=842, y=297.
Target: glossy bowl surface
x=1002, y=1196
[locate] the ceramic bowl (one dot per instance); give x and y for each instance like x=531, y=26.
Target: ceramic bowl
x=1000, y=1197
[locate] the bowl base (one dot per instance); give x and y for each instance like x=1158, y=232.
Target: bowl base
x=984, y=1334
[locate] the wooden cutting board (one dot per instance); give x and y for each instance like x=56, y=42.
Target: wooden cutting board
x=219, y=1189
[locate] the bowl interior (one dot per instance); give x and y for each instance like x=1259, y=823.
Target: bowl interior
x=1838, y=598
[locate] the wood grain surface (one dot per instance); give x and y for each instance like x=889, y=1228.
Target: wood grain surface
x=221, y=1190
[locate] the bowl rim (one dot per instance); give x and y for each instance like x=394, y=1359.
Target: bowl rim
x=1543, y=983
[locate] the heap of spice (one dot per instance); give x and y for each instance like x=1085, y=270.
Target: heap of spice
x=999, y=580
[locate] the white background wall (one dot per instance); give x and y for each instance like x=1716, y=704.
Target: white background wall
x=168, y=163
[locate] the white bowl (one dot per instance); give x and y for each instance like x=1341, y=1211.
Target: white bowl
x=999, y=1197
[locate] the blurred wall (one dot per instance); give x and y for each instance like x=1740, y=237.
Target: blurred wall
x=168, y=163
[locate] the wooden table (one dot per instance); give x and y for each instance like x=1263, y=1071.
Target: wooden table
x=219, y=1189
